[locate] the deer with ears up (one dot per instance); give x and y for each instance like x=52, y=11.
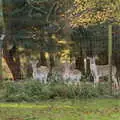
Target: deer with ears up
x=98, y=71
x=71, y=74
x=40, y=73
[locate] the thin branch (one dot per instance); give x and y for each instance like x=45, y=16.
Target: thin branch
x=19, y=10
x=36, y=8
x=50, y=12
x=57, y=26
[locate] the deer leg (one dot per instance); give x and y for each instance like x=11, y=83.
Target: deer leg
x=45, y=78
x=115, y=82
x=44, y=81
x=96, y=80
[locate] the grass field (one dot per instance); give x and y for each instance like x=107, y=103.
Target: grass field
x=97, y=109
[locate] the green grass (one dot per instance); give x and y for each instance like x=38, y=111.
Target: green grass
x=97, y=109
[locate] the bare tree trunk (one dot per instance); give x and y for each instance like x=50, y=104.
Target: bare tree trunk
x=2, y=36
x=43, y=60
x=13, y=61
x=28, y=66
x=52, y=62
x=11, y=56
x=29, y=71
x=80, y=63
x=1, y=52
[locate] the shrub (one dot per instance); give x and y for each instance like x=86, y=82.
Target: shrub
x=103, y=89
x=33, y=91
x=88, y=91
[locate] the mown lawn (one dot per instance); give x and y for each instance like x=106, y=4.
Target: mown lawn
x=97, y=109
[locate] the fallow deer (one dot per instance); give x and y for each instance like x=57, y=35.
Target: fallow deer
x=73, y=74
x=98, y=71
x=40, y=73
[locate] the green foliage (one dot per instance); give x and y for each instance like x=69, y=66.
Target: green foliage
x=88, y=91
x=103, y=88
x=89, y=12
x=33, y=91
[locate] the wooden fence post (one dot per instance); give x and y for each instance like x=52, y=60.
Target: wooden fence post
x=110, y=55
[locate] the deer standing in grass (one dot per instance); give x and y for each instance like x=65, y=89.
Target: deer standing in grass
x=71, y=74
x=98, y=71
x=40, y=73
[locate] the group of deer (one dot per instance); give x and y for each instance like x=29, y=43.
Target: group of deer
x=66, y=71
x=74, y=75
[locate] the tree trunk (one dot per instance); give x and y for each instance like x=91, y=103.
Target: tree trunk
x=2, y=36
x=11, y=56
x=52, y=62
x=43, y=60
x=29, y=70
x=13, y=61
x=28, y=66
x=79, y=63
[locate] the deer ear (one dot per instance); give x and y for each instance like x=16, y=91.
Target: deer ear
x=88, y=58
x=96, y=57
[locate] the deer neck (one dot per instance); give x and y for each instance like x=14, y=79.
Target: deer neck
x=67, y=71
x=34, y=69
x=92, y=63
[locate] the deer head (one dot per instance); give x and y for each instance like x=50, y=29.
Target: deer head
x=92, y=59
x=34, y=63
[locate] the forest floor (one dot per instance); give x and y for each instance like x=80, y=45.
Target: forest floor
x=92, y=109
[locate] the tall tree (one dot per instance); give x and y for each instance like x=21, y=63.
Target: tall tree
x=10, y=50
x=2, y=36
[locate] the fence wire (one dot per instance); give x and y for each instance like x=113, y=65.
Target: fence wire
x=91, y=42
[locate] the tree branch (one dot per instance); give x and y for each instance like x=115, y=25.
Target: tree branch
x=36, y=8
x=50, y=12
